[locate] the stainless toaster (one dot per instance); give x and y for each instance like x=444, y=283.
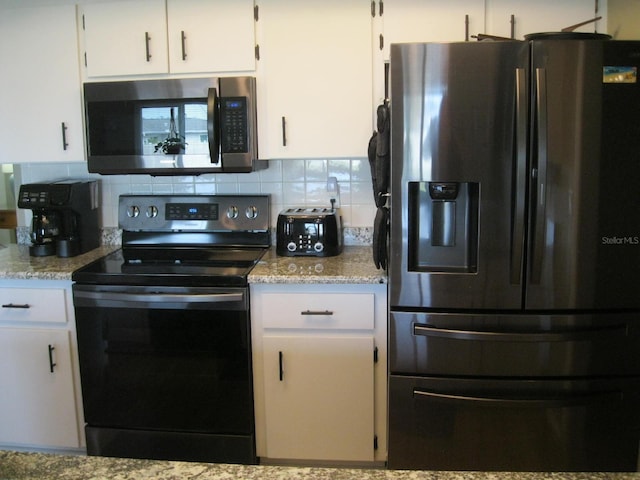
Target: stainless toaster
x=309, y=232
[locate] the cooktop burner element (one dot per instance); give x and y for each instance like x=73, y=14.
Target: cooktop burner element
x=207, y=240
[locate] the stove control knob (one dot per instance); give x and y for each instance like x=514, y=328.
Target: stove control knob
x=251, y=212
x=133, y=211
x=291, y=246
x=232, y=212
x=152, y=211
x=318, y=247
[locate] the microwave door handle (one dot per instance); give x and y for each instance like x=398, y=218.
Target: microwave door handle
x=213, y=125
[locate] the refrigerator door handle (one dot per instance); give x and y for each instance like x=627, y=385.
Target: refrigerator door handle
x=588, y=398
x=576, y=335
x=539, y=176
x=517, y=224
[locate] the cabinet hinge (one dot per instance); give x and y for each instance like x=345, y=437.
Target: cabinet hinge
x=83, y=22
x=380, y=8
x=375, y=355
x=256, y=13
x=257, y=52
x=375, y=442
x=373, y=8
x=85, y=59
x=381, y=41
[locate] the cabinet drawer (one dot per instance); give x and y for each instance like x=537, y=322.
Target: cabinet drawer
x=33, y=305
x=319, y=311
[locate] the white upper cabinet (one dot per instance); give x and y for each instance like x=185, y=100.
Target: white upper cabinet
x=314, y=78
x=538, y=16
x=406, y=21
x=172, y=36
x=206, y=35
x=41, y=119
x=125, y=38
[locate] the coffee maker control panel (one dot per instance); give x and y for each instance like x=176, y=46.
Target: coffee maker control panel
x=33, y=198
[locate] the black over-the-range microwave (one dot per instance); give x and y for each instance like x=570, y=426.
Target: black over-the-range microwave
x=184, y=126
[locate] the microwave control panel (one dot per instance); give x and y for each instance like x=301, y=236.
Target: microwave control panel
x=234, y=124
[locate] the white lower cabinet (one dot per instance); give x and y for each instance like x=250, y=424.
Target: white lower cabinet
x=37, y=406
x=39, y=401
x=319, y=354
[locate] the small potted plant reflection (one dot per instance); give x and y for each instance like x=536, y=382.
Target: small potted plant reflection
x=174, y=143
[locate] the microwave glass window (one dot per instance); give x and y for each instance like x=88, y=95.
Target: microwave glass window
x=135, y=128
x=190, y=123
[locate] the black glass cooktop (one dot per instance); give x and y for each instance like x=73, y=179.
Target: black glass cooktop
x=173, y=266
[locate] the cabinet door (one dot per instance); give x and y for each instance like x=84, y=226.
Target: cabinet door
x=539, y=16
x=315, y=87
x=211, y=35
x=37, y=405
x=125, y=38
x=40, y=93
x=319, y=397
x=406, y=21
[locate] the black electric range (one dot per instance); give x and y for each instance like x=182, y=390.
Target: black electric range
x=195, y=240
x=164, y=334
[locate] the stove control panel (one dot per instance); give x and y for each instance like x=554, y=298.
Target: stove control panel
x=196, y=213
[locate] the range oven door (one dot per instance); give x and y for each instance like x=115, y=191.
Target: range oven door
x=166, y=372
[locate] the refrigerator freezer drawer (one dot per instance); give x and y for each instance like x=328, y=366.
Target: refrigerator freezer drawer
x=513, y=425
x=514, y=344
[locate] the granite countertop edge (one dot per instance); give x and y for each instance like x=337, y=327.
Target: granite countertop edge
x=40, y=466
x=17, y=264
x=353, y=266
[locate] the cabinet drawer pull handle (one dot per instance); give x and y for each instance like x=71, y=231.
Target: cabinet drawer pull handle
x=147, y=39
x=280, y=366
x=184, y=47
x=13, y=305
x=466, y=28
x=316, y=312
x=284, y=131
x=65, y=144
x=51, y=364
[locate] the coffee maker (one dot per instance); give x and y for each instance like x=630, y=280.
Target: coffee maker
x=65, y=216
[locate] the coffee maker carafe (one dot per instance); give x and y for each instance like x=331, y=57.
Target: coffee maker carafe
x=65, y=217
x=45, y=228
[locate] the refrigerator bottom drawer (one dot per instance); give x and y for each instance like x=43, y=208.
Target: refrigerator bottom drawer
x=513, y=425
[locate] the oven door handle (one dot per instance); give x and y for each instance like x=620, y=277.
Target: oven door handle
x=159, y=297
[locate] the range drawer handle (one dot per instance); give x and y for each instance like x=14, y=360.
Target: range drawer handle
x=316, y=312
x=13, y=305
x=592, y=334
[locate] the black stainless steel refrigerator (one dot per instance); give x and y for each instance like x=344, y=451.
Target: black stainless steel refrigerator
x=514, y=256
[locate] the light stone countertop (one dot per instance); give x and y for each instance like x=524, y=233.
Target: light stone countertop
x=353, y=265
x=17, y=264
x=38, y=466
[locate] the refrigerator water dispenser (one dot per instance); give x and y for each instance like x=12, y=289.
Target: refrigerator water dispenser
x=443, y=226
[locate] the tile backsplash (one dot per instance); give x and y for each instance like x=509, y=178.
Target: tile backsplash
x=305, y=182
